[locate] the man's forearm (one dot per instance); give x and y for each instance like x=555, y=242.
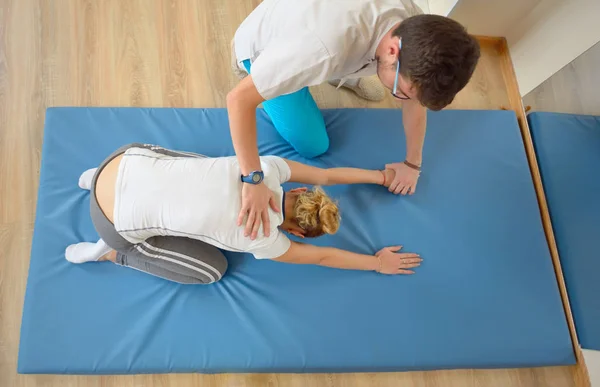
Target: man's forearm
x=241, y=108
x=414, y=118
x=243, y=134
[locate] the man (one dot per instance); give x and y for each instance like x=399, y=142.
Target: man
x=285, y=46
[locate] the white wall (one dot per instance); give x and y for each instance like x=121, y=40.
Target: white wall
x=550, y=36
x=543, y=35
x=491, y=17
x=423, y=4
x=592, y=361
x=441, y=7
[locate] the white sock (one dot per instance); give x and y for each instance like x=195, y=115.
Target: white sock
x=86, y=251
x=85, y=180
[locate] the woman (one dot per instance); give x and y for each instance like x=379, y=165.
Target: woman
x=168, y=213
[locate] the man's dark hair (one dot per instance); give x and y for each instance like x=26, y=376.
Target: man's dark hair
x=438, y=56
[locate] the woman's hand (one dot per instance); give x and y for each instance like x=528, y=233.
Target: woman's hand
x=392, y=262
x=389, y=175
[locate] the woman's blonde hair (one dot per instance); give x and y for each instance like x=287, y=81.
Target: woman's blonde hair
x=316, y=213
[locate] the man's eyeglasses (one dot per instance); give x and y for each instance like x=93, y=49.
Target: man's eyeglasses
x=395, y=92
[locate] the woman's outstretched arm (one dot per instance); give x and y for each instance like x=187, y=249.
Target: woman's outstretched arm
x=387, y=260
x=306, y=174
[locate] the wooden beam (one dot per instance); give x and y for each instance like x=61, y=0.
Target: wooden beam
x=516, y=104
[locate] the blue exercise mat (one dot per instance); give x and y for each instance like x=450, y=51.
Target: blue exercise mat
x=568, y=150
x=485, y=297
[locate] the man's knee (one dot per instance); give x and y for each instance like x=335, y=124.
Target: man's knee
x=311, y=149
x=299, y=121
x=307, y=136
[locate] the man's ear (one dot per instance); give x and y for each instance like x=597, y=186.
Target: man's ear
x=299, y=190
x=394, y=50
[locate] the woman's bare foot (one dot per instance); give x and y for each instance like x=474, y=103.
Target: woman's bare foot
x=110, y=256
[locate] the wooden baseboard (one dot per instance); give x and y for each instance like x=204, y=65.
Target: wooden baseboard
x=494, y=40
x=516, y=104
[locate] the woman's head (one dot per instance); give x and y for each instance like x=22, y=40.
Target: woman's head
x=310, y=213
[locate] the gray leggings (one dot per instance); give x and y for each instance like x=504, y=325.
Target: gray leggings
x=179, y=259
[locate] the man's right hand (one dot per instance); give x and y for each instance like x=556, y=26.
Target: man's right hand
x=256, y=199
x=393, y=262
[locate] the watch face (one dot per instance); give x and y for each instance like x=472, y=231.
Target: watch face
x=256, y=178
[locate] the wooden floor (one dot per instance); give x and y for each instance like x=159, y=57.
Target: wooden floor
x=573, y=89
x=154, y=53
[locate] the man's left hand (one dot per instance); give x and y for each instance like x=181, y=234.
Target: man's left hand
x=405, y=179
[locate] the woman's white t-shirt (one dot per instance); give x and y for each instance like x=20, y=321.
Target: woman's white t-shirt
x=194, y=197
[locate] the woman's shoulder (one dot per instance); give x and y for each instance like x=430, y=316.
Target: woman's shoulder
x=275, y=167
x=273, y=246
